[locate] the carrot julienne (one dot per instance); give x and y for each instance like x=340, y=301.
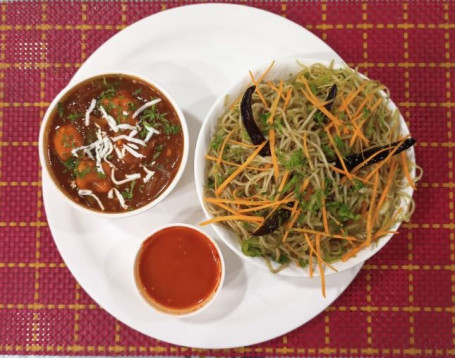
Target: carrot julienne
x=239, y=169
x=258, y=91
x=222, y=147
x=340, y=157
x=232, y=218
x=209, y=157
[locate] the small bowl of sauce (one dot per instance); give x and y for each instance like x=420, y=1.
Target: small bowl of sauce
x=179, y=270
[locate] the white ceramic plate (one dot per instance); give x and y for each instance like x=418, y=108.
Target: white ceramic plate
x=281, y=70
x=195, y=52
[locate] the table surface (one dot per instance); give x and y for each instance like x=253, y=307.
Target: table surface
x=401, y=303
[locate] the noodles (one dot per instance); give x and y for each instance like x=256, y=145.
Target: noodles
x=327, y=213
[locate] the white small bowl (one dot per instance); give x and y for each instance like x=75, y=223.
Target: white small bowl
x=44, y=156
x=181, y=313
x=282, y=69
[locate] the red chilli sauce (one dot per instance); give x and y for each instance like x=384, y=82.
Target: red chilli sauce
x=178, y=269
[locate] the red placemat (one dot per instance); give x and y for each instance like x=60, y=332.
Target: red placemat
x=402, y=302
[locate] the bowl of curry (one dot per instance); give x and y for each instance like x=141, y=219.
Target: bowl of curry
x=114, y=145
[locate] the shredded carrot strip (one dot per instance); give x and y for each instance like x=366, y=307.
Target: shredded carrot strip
x=209, y=157
x=321, y=107
x=358, y=133
x=222, y=147
x=335, y=148
x=275, y=104
x=283, y=182
x=379, y=165
x=350, y=97
x=378, y=102
x=227, y=208
x=367, y=99
x=370, y=222
x=237, y=201
x=294, y=215
x=390, y=177
x=265, y=206
x=310, y=263
x=335, y=169
x=316, y=253
x=261, y=78
x=321, y=268
x=288, y=99
x=404, y=161
x=336, y=236
x=380, y=233
x=272, y=86
x=242, y=144
x=305, y=184
x=232, y=217
x=258, y=90
x=272, y=152
x=240, y=168
x=353, y=252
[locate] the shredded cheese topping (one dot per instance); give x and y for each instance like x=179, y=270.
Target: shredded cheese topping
x=119, y=196
x=89, y=110
x=85, y=192
x=149, y=173
x=128, y=177
x=145, y=106
x=109, y=119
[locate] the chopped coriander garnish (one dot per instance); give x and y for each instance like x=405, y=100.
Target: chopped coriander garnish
x=158, y=151
x=319, y=117
x=128, y=193
x=137, y=92
x=172, y=129
x=341, y=211
x=295, y=162
x=71, y=163
x=74, y=116
x=60, y=109
x=217, y=140
x=358, y=184
x=263, y=119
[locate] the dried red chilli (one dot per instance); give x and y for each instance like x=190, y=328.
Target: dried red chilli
x=331, y=97
x=251, y=127
x=277, y=219
x=354, y=160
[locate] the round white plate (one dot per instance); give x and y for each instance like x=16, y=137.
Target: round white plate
x=195, y=52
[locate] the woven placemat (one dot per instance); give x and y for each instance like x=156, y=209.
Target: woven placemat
x=401, y=303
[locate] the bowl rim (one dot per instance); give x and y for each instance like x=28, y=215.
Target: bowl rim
x=211, y=298
x=210, y=121
x=43, y=156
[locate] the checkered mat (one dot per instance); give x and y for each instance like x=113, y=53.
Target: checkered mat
x=401, y=303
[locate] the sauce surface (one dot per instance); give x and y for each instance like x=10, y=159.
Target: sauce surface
x=178, y=269
x=114, y=143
